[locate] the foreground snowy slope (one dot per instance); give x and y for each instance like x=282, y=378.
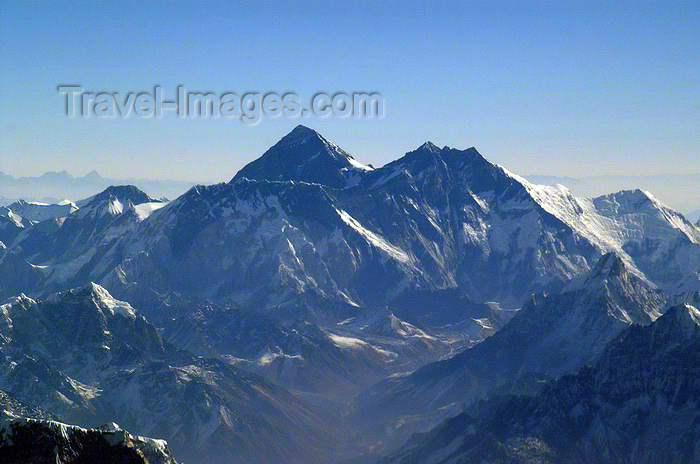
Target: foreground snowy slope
x=31, y=435
x=40, y=441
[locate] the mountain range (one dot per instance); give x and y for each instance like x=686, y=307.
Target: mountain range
x=638, y=403
x=680, y=191
x=315, y=309
x=55, y=187
x=88, y=358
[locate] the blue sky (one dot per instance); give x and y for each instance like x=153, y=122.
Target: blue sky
x=558, y=88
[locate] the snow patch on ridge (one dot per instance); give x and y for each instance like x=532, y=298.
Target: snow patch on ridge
x=145, y=209
x=393, y=251
x=108, y=302
x=357, y=165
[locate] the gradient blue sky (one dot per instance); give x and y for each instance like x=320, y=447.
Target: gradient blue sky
x=592, y=88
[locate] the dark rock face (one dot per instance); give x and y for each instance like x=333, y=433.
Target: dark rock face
x=304, y=155
x=638, y=403
x=17, y=275
x=46, y=442
x=123, y=193
x=29, y=434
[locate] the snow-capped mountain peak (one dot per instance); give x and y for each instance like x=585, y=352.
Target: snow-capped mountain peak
x=113, y=201
x=123, y=193
x=106, y=302
x=304, y=155
x=643, y=209
x=428, y=147
x=36, y=211
x=13, y=218
x=100, y=297
x=609, y=266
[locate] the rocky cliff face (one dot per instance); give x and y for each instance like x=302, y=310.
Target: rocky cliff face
x=29, y=434
x=48, y=442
